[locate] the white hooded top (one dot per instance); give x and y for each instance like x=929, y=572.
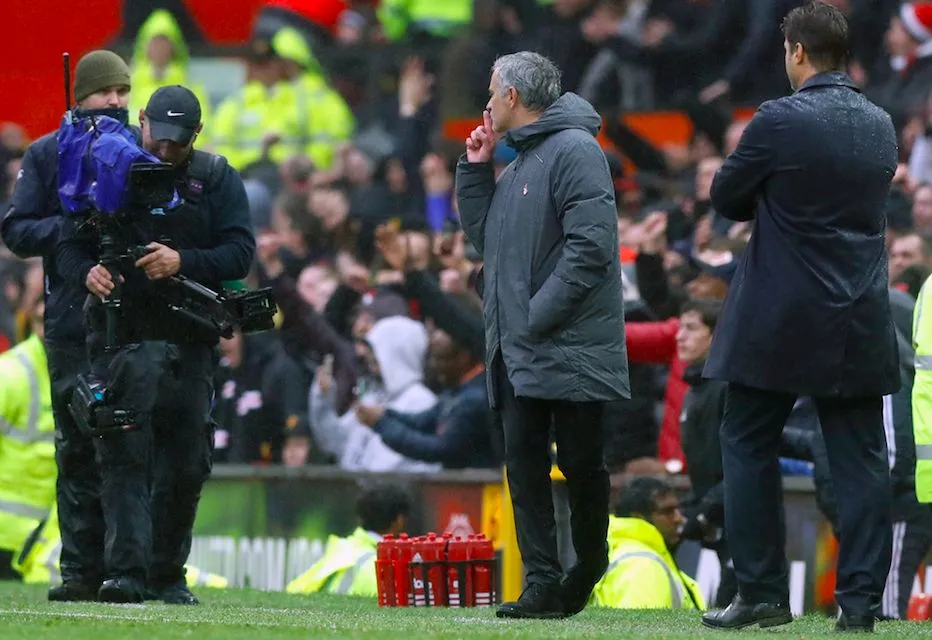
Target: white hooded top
x=399, y=345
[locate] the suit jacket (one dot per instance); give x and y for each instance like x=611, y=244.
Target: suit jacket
x=808, y=310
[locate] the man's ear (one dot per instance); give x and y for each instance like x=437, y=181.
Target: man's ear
x=799, y=53
x=197, y=129
x=142, y=115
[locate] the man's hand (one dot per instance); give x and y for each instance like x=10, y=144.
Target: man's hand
x=480, y=145
x=99, y=281
x=414, y=87
x=654, y=233
x=369, y=415
x=161, y=262
x=392, y=246
x=267, y=246
x=451, y=251
x=352, y=274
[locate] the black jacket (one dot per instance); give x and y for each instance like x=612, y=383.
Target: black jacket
x=548, y=236
x=808, y=311
x=214, y=238
x=700, y=420
x=31, y=228
x=260, y=403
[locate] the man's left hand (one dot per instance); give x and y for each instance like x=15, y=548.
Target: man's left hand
x=161, y=262
x=369, y=415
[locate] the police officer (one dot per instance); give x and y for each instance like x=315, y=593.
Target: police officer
x=31, y=228
x=164, y=371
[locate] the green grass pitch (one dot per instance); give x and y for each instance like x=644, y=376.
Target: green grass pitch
x=254, y=615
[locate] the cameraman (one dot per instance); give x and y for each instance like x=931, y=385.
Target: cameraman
x=30, y=229
x=163, y=370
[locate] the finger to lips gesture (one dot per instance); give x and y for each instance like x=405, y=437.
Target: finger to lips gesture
x=480, y=145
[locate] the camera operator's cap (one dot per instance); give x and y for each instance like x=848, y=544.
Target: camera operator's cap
x=98, y=70
x=174, y=113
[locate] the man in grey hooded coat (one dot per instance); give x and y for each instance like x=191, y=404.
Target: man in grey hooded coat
x=554, y=317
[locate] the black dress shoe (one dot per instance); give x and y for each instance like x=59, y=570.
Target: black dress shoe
x=121, y=590
x=538, y=601
x=855, y=624
x=577, y=585
x=177, y=594
x=73, y=592
x=739, y=615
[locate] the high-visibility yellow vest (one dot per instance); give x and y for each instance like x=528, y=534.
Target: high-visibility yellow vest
x=27, y=443
x=642, y=573
x=346, y=568
x=195, y=577
x=39, y=563
x=922, y=392
x=327, y=119
x=441, y=19
x=243, y=119
x=143, y=78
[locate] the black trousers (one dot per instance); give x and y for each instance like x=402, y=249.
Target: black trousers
x=77, y=489
x=579, y=439
x=153, y=474
x=912, y=537
x=754, y=519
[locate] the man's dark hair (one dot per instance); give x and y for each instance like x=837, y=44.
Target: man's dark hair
x=822, y=30
x=708, y=309
x=641, y=495
x=379, y=507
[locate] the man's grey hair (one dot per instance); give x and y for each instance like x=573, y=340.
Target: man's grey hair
x=534, y=77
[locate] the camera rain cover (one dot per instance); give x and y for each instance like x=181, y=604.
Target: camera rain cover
x=95, y=157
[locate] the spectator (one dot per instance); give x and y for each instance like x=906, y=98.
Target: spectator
x=456, y=431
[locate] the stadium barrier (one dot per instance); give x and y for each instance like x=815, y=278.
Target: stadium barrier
x=261, y=527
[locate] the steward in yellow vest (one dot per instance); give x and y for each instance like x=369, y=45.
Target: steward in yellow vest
x=642, y=573
x=39, y=561
x=348, y=564
x=160, y=58
x=324, y=118
x=27, y=443
x=922, y=392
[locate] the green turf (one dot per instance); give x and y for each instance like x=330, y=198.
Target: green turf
x=254, y=615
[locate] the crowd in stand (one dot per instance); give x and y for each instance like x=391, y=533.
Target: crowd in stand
x=377, y=362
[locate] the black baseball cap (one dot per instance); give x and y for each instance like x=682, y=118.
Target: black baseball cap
x=174, y=113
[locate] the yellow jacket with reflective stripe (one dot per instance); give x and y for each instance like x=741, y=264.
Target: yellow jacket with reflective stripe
x=441, y=19
x=39, y=564
x=328, y=119
x=922, y=392
x=243, y=119
x=347, y=567
x=641, y=572
x=27, y=443
x=143, y=77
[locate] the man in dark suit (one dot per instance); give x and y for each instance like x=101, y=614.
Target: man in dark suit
x=808, y=314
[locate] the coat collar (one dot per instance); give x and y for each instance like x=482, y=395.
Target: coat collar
x=830, y=79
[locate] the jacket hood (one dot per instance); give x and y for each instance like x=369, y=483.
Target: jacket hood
x=160, y=23
x=400, y=346
x=622, y=530
x=568, y=112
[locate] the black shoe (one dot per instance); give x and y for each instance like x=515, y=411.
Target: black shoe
x=739, y=615
x=538, y=601
x=577, y=585
x=73, y=592
x=178, y=594
x=121, y=590
x=855, y=624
